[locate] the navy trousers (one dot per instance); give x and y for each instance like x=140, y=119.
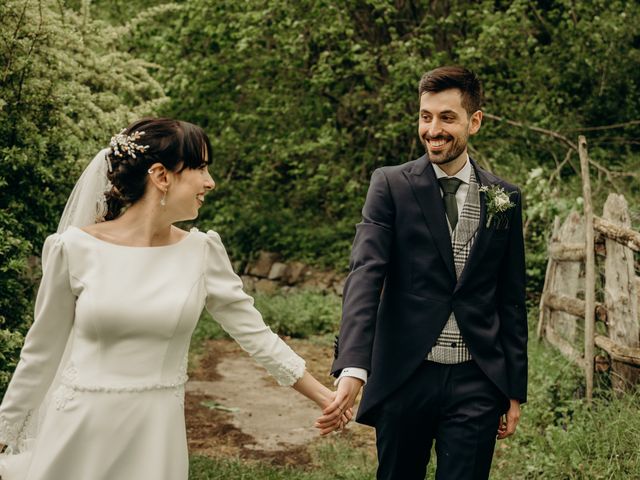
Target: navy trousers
x=456, y=406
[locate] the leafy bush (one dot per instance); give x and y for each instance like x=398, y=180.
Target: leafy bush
x=300, y=314
x=303, y=99
x=65, y=90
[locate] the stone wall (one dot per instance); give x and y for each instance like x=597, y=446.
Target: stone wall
x=268, y=274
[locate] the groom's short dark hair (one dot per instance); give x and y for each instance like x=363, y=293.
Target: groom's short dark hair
x=444, y=78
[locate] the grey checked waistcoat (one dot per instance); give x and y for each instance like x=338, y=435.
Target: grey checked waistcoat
x=450, y=347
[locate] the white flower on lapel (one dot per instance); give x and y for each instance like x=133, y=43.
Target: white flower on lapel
x=498, y=201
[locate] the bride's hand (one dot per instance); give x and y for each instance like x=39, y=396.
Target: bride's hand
x=324, y=398
x=335, y=421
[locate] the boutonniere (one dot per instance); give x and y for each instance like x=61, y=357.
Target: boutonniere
x=498, y=201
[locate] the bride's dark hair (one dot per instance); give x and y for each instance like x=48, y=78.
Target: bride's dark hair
x=173, y=143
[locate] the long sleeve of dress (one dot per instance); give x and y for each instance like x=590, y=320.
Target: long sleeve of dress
x=43, y=346
x=233, y=309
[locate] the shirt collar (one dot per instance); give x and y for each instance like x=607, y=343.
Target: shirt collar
x=463, y=174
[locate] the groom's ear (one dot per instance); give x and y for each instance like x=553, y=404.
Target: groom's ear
x=475, y=121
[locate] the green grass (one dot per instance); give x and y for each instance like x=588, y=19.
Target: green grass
x=559, y=437
x=333, y=458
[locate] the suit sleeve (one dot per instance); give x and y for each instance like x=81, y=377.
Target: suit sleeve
x=368, y=269
x=511, y=307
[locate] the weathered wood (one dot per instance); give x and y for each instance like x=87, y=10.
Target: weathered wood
x=566, y=252
x=573, y=306
x=622, y=235
x=590, y=270
x=620, y=293
x=566, y=279
x=637, y=282
x=564, y=303
x=628, y=355
x=545, y=312
x=566, y=349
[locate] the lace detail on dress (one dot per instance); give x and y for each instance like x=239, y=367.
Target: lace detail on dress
x=12, y=434
x=9, y=432
x=64, y=394
x=289, y=371
x=179, y=391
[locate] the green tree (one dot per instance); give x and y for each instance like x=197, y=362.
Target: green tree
x=303, y=99
x=64, y=89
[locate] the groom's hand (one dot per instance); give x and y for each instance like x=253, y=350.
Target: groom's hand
x=348, y=389
x=509, y=421
x=330, y=423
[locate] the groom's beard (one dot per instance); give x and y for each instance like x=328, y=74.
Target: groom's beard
x=454, y=149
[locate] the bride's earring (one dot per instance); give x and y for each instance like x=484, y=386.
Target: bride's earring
x=163, y=201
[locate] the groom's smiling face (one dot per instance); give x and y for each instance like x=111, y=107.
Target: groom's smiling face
x=444, y=126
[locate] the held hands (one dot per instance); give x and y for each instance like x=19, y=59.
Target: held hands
x=335, y=422
x=509, y=421
x=339, y=412
x=325, y=398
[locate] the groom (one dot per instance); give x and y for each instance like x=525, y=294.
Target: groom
x=434, y=319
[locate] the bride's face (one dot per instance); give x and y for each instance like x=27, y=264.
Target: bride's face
x=186, y=195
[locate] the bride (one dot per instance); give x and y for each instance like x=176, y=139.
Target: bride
x=99, y=390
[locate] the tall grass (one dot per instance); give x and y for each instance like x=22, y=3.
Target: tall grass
x=560, y=437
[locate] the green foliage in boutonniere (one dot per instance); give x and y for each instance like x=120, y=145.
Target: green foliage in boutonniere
x=498, y=201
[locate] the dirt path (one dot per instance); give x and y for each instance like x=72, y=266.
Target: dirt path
x=234, y=408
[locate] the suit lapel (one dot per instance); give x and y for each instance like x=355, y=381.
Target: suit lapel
x=426, y=190
x=483, y=238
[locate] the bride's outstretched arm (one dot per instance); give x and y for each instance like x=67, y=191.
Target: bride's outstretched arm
x=233, y=309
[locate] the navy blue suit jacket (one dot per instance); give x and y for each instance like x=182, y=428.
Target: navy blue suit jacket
x=402, y=286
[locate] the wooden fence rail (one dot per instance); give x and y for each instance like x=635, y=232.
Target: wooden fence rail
x=569, y=293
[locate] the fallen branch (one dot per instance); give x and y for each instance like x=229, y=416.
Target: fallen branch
x=551, y=133
x=622, y=235
x=605, y=127
x=628, y=355
x=556, y=172
x=572, y=306
x=558, y=136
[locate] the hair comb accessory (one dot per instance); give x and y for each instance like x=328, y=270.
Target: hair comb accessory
x=122, y=144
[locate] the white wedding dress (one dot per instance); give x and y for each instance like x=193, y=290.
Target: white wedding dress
x=129, y=312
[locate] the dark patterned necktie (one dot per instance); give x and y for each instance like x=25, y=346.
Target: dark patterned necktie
x=450, y=187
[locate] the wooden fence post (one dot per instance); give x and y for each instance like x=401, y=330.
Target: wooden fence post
x=620, y=294
x=545, y=311
x=590, y=277
x=566, y=278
